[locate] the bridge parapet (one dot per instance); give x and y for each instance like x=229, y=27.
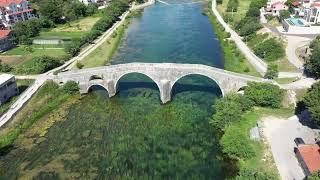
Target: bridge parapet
x=165, y=75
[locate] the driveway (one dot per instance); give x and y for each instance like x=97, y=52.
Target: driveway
x=280, y=134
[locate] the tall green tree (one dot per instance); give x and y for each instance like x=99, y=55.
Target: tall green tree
x=312, y=102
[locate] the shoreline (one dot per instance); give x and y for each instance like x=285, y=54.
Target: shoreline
x=233, y=59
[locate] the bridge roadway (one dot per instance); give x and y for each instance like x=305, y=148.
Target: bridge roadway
x=165, y=75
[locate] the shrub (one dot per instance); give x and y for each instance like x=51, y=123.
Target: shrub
x=229, y=109
x=79, y=65
x=232, y=6
x=312, y=102
x=39, y=65
x=71, y=87
x=5, y=67
x=272, y=71
x=236, y=143
x=264, y=94
x=270, y=50
x=255, y=174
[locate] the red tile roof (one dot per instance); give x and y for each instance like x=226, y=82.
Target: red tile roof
x=310, y=153
x=4, y=33
x=7, y=2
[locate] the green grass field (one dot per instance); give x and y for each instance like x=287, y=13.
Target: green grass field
x=103, y=54
x=242, y=9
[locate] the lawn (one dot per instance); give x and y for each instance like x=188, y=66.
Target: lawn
x=263, y=158
x=80, y=25
x=72, y=30
x=285, y=66
x=35, y=51
x=19, y=56
x=285, y=80
x=103, y=54
x=242, y=9
x=233, y=59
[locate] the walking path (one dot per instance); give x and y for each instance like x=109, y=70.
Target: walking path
x=256, y=62
x=42, y=78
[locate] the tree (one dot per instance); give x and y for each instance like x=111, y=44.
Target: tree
x=79, y=65
x=270, y=50
x=227, y=110
x=232, y=6
x=272, y=71
x=255, y=174
x=264, y=94
x=312, y=65
x=284, y=14
x=236, y=143
x=315, y=176
x=312, y=102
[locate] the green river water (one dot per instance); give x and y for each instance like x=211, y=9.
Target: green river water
x=133, y=136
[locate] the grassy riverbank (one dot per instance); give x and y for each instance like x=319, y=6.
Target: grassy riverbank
x=233, y=59
x=47, y=100
x=102, y=55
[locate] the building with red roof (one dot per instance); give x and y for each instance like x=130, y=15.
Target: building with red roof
x=308, y=156
x=5, y=40
x=12, y=11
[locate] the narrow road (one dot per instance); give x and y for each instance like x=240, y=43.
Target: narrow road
x=256, y=62
x=42, y=78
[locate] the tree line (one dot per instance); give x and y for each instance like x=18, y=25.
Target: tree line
x=234, y=140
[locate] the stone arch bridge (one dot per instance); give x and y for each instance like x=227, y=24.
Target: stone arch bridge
x=165, y=75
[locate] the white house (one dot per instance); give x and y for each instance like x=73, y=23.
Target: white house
x=12, y=11
x=311, y=15
x=87, y=2
x=8, y=87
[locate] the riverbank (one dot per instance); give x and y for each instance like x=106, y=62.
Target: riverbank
x=102, y=55
x=233, y=59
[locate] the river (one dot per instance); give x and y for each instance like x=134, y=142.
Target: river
x=132, y=135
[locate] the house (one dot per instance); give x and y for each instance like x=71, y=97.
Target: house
x=6, y=42
x=311, y=15
x=308, y=156
x=12, y=11
x=276, y=7
x=8, y=87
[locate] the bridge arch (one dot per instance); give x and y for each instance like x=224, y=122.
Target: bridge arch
x=97, y=85
x=219, y=84
x=153, y=80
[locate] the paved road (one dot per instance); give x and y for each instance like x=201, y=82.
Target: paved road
x=295, y=42
x=280, y=134
x=257, y=63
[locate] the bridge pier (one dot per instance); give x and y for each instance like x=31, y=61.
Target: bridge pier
x=165, y=91
x=111, y=88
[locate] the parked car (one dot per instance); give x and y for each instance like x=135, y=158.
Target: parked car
x=298, y=141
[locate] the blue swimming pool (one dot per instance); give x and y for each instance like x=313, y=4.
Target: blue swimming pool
x=296, y=21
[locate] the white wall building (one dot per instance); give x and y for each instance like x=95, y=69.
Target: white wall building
x=311, y=15
x=12, y=11
x=8, y=87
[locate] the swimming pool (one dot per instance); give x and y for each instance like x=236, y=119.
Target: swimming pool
x=296, y=21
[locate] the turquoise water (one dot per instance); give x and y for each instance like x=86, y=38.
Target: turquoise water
x=134, y=136
x=296, y=21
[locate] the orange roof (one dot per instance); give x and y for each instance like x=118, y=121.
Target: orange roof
x=4, y=33
x=7, y=2
x=310, y=153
